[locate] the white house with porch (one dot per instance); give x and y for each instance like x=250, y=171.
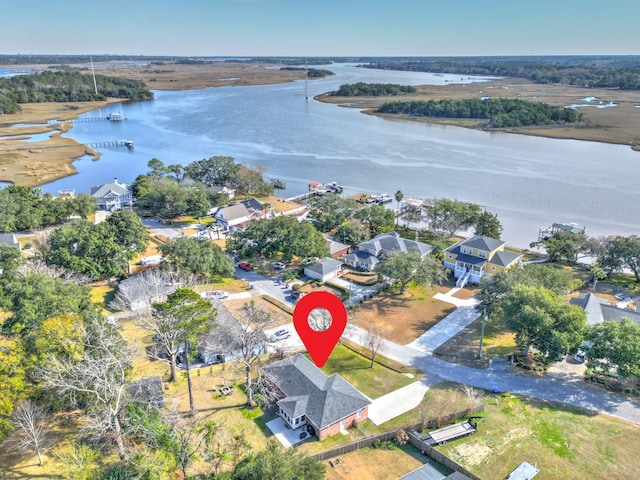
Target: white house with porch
x=113, y=196
x=477, y=256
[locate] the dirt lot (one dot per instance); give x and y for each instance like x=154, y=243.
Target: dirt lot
x=619, y=124
x=375, y=464
x=403, y=318
x=280, y=316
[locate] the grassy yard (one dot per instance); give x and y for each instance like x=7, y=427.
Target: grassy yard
x=103, y=294
x=463, y=348
x=373, y=382
x=403, y=318
x=564, y=442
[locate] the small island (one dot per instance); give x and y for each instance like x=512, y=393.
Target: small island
x=608, y=115
x=499, y=112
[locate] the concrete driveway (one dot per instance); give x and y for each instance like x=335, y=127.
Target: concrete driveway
x=445, y=329
x=396, y=403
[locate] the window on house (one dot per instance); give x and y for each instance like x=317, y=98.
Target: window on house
x=493, y=268
x=359, y=414
x=482, y=254
x=463, y=249
x=450, y=256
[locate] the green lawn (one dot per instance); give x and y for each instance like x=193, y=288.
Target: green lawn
x=564, y=442
x=373, y=382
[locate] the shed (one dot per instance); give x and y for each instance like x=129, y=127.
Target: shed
x=148, y=390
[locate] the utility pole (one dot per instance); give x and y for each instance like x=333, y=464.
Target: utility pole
x=306, y=81
x=484, y=320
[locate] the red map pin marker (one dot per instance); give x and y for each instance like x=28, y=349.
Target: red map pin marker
x=320, y=344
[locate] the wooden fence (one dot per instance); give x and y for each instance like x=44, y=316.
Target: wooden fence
x=441, y=457
x=416, y=442
x=352, y=447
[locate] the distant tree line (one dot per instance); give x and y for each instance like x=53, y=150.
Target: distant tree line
x=622, y=75
x=69, y=86
x=501, y=112
x=60, y=59
x=24, y=208
x=312, y=72
x=362, y=89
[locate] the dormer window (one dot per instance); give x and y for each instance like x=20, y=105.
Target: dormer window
x=482, y=254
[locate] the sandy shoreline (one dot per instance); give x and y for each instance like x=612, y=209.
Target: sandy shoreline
x=37, y=163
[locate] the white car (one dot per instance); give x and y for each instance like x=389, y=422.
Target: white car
x=280, y=335
x=278, y=266
x=580, y=356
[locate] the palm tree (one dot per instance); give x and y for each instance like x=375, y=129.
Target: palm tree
x=399, y=196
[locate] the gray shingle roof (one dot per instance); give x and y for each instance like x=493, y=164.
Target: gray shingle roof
x=479, y=242
x=470, y=259
x=328, y=399
x=325, y=266
x=392, y=242
x=504, y=258
x=102, y=190
x=234, y=212
x=598, y=309
x=590, y=303
x=9, y=239
x=361, y=256
x=609, y=312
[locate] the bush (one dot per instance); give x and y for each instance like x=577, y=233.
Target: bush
x=401, y=437
x=295, y=287
x=576, y=284
x=384, y=445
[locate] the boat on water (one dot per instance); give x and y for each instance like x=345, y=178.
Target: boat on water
x=381, y=199
x=116, y=117
x=333, y=187
x=278, y=183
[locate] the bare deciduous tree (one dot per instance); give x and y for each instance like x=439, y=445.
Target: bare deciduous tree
x=265, y=390
x=250, y=338
x=149, y=286
x=373, y=341
x=53, y=272
x=99, y=378
x=29, y=418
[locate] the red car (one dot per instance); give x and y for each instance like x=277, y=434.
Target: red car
x=245, y=266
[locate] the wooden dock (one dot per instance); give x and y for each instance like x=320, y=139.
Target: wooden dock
x=111, y=143
x=305, y=196
x=87, y=119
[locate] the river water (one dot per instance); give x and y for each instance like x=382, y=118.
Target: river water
x=527, y=181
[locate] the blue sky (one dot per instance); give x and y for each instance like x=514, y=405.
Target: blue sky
x=320, y=27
